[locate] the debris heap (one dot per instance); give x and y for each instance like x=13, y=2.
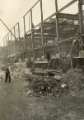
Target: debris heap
x=70, y=83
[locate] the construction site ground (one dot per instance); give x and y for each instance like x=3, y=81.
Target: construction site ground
x=15, y=104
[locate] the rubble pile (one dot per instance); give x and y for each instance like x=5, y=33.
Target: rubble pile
x=17, y=70
x=47, y=86
x=75, y=80
x=70, y=83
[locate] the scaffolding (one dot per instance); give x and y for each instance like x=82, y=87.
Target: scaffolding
x=54, y=33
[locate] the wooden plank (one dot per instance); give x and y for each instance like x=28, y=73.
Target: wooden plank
x=68, y=16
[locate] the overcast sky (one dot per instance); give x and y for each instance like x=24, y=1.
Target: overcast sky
x=11, y=11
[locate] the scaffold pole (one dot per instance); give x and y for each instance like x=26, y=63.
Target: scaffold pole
x=42, y=31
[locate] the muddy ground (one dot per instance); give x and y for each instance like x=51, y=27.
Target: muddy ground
x=15, y=104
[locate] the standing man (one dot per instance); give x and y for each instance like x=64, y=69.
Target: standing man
x=7, y=75
x=48, y=56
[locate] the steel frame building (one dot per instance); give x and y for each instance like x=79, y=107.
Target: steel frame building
x=41, y=35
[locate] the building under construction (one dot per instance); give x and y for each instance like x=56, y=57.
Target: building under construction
x=52, y=35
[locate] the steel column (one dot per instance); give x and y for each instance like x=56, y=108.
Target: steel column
x=57, y=26
x=32, y=39
x=24, y=26
x=18, y=30
x=14, y=31
x=42, y=31
x=81, y=17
